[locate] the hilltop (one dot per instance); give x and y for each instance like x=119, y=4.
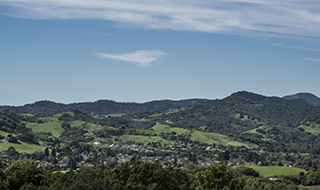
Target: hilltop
x=308, y=97
x=101, y=107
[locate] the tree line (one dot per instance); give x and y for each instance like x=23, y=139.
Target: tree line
x=25, y=175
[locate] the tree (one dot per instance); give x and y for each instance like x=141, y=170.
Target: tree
x=194, y=158
x=46, y=151
x=72, y=163
x=23, y=172
x=247, y=171
x=53, y=152
x=216, y=176
x=2, y=178
x=13, y=140
x=224, y=155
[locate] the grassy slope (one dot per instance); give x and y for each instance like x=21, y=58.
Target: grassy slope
x=53, y=127
x=211, y=138
x=199, y=136
x=271, y=171
x=311, y=128
x=2, y=133
x=60, y=114
x=145, y=139
x=22, y=147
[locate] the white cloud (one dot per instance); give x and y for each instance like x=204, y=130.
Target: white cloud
x=311, y=59
x=142, y=57
x=244, y=17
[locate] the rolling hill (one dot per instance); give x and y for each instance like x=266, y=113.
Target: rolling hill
x=308, y=97
x=241, y=119
x=100, y=107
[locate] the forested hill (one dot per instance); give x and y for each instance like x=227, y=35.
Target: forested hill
x=310, y=98
x=244, y=110
x=101, y=107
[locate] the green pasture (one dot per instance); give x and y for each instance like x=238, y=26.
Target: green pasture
x=76, y=123
x=22, y=147
x=49, y=119
x=174, y=110
x=53, y=127
x=272, y=171
x=60, y=114
x=211, y=138
x=157, y=129
x=255, y=130
x=2, y=133
x=144, y=139
x=313, y=128
x=160, y=127
x=203, y=137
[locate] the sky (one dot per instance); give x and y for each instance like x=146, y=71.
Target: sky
x=139, y=50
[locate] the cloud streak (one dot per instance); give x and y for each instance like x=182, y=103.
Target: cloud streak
x=142, y=57
x=311, y=59
x=241, y=17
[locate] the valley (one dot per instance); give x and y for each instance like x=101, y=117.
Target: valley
x=242, y=129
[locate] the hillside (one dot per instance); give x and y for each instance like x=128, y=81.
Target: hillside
x=246, y=117
x=100, y=107
x=308, y=97
x=242, y=129
x=241, y=111
x=242, y=118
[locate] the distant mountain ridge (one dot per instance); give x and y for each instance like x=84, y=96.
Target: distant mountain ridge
x=258, y=97
x=105, y=107
x=100, y=107
x=308, y=97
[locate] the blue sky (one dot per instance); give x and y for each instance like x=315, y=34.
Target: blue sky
x=136, y=51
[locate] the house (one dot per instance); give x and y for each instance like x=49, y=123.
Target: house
x=97, y=143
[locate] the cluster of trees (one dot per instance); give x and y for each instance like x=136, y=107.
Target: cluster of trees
x=12, y=123
x=25, y=175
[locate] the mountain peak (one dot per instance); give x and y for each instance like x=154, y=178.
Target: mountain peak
x=310, y=98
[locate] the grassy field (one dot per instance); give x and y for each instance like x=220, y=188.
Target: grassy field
x=199, y=136
x=144, y=139
x=311, y=128
x=49, y=119
x=60, y=114
x=2, y=133
x=22, y=147
x=255, y=130
x=211, y=138
x=271, y=171
x=53, y=127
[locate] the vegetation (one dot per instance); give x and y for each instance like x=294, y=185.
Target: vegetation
x=274, y=171
x=267, y=133
x=100, y=107
x=24, y=174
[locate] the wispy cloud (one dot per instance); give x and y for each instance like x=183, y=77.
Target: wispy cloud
x=142, y=57
x=311, y=59
x=244, y=17
x=300, y=47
